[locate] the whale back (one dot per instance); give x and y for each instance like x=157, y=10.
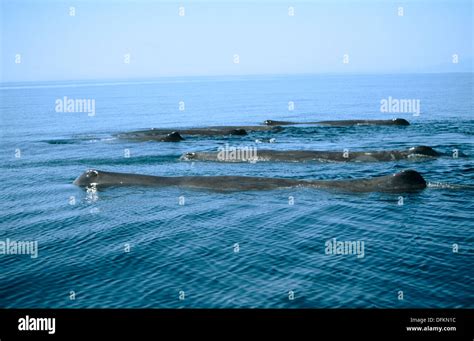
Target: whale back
x=404, y=181
x=173, y=137
x=407, y=180
x=395, y=121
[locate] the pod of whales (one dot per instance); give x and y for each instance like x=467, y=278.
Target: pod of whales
x=343, y=123
x=176, y=134
x=242, y=155
x=408, y=180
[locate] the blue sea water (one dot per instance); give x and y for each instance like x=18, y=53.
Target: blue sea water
x=191, y=249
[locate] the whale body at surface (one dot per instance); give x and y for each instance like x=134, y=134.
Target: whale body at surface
x=342, y=123
x=262, y=155
x=407, y=180
x=171, y=134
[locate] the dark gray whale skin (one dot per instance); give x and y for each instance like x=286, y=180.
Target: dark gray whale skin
x=171, y=137
x=157, y=133
x=408, y=180
x=343, y=123
x=310, y=155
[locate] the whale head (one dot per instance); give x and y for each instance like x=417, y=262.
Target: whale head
x=89, y=178
x=423, y=150
x=189, y=156
x=97, y=179
x=407, y=180
x=275, y=123
x=400, y=122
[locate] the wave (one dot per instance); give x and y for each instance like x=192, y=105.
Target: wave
x=444, y=185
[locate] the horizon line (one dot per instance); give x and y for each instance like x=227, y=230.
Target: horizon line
x=156, y=78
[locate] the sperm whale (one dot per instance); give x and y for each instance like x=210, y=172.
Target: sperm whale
x=343, y=123
x=248, y=155
x=407, y=180
x=159, y=134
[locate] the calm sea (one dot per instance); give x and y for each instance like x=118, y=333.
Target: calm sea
x=245, y=249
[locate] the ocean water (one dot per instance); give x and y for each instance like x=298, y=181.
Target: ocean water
x=186, y=255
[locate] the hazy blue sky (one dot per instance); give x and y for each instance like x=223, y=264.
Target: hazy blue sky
x=91, y=45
